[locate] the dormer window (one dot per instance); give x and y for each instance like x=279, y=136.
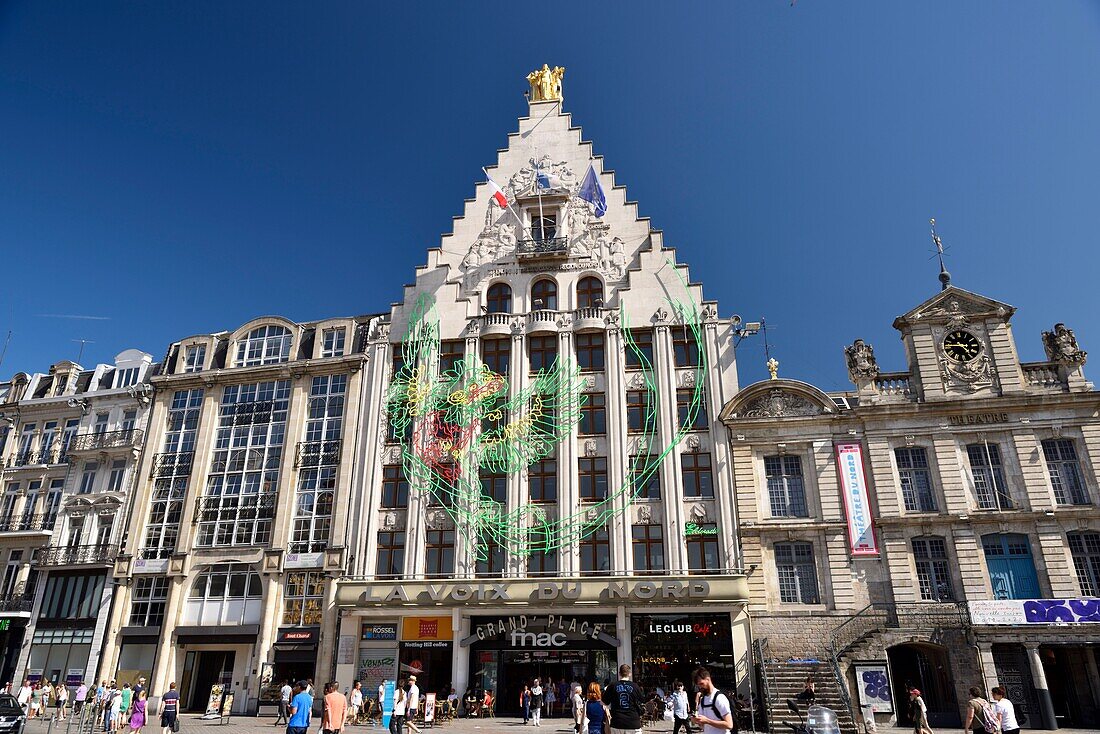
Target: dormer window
x=60, y=383
x=332, y=342
x=126, y=377
x=195, y=358
x=264, y=345
x=544, y=227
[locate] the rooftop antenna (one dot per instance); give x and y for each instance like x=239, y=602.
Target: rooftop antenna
x=945, y=277
x=7, y=341
x=81, y=352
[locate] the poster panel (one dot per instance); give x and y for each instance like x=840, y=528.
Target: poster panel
x=873, y=683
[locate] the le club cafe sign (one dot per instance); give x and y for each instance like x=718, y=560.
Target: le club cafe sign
x=670, y=590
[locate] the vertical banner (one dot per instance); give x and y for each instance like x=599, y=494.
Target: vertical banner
x=857, y=499
x=387, y=703
x=429, y=708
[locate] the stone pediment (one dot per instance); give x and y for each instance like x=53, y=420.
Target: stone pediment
x=778, y=399
x=955, y=304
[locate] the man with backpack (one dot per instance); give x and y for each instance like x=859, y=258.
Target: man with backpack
x=625, y=701
x=715, y=713
x=981, y=717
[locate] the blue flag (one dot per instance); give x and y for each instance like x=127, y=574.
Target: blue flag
x=592, y=192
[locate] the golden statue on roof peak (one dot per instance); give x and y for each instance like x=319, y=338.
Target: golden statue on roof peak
x=546, y=83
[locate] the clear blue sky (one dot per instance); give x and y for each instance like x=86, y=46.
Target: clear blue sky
x=176, y=168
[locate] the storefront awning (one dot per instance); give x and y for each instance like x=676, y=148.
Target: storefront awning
x=236, y=634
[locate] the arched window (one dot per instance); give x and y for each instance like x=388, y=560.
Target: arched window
x=227, y=593
x=264, y=345
x=589, y=293
x=500, y=298
x=544, y=295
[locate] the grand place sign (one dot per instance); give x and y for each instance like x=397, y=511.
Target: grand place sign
x=670, y=590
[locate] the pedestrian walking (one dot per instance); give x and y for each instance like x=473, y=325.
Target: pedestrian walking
x=397, y=718
x=525, y=703
x=62, y=698
x=594, y=711
x=980, y=716
x=624, y=698
x=301, y=709
x=718, y=716
x=1006, y=711
x=681, y=716
x=578, y=709
x=355, y=702
x=170, y=710
x=285, y=692
x=537, y=699
x=137, y=716
x=335, y=712
x=414, y=699
x=918, y=712
x=80, y=697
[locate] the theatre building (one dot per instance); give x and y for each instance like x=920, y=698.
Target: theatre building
x=545, y=492
x=935, y=527
x=236, y=534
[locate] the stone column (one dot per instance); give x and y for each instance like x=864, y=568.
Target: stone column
x=989, y=667
x=1042, y=691
x=622, y=631
x=460, y=654
x=1093, y=674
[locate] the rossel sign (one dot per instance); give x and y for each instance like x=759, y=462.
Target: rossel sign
x=667, y=591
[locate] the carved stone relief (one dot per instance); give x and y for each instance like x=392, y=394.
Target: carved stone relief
x=645, y=514
x=699, y=514
x=777, y=403
x=1061, y=346
x=862, y=364
x=590, y=447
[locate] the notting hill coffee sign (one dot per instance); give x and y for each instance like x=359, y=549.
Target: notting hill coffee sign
x=668, y=591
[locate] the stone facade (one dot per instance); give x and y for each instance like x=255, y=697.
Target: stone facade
x=980, y=472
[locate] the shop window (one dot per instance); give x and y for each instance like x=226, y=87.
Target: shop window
x=439, y=553
x=595, y=547
x=685, y=349
x=590, y=351
x=490, y=557
x=544, y=295
x=542, y=481
x=225, y=594
x=149, y=599
x=303, y=598
x=794, y=563
x=496, y=354
x=589, y=293
x=639, y=349
x=786, y=493
x=73, y=595
x=649, y=548
x=685, y=403
x=395, y=488
x=696, y=473
x=391, y=554
x=451, y=352
x=990, y=488
x=542, y=351
x=916, y=479
x=645, y=477
x=1084, y=548
x=499, y=298
x=593, y=415
x=1065, y=472
x=592, y=473
x=494, y=486
x=702, y=548
x=933, y=569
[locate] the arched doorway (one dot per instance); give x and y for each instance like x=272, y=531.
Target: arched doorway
x=924, y=666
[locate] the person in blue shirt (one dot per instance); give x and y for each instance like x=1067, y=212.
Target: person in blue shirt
x=301, y=708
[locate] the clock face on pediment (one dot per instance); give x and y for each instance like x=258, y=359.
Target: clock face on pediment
x=961, y=346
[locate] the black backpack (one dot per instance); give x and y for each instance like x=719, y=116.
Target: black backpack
x=713, y=707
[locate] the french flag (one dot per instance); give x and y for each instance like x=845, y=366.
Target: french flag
x=497, y=192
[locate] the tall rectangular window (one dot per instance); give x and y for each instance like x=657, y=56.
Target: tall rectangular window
x=541, y=352
x=496, y=354
x=702, y=549
x=645, y=478
x=101, y=421
x=53, y=502
x=332, y=342
x=797, y=571
x=451, y=352
x=395, y=488
x=494, y=486
x=684, y=348
x=640, y=355
x=391, y=554
x=595, y=549
x=640, y=411
x=933, y=569
x=149, y=599
x=542, y=480
x=304, y=599
x=786, y=492
x=116, y=480
x=1065, y=472
x=239, y=504
x=129, y=421
x=649, y=548
x=71, y=427
x=543, y=558
x=490, y=557
x=439, y=556
x=696, y=473
x=171, y=474
x=194, y=358
x=990, y=487
x=592, y=473
x=692, y=415
x=312, y=530
x=1084, y=548
x=87, y=477
x=126, y=377
x=593, y=415
x=916, y=479
x=590, y=352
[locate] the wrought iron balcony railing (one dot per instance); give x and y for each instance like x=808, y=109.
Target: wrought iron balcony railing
x=214, y=507
x=16, y=602
x=23, y=524
x=554, y=246
x=107, y=440
x=77, y=555
x=175, y=464
x=37, y=458
x=257, y=411
x=317, y=453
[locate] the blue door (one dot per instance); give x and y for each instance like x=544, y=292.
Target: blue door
x=1011, y=568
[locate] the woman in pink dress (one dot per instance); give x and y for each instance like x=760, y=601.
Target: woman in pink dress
x=137, y=717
